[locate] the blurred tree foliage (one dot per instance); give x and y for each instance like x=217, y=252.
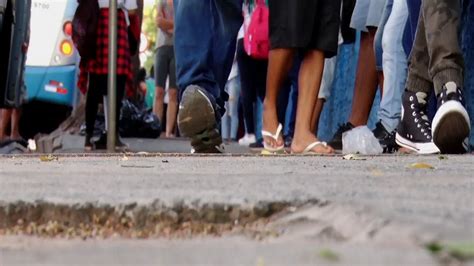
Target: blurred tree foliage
x=149, y=29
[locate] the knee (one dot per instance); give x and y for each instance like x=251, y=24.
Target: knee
x=315, y=55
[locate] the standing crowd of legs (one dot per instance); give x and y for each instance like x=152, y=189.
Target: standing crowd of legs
x=409, y=50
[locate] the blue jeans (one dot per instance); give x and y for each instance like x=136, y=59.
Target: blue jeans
x=230, y=120
x=205, y=40
x=412, y=24
x=387, y=10
x=394, y=63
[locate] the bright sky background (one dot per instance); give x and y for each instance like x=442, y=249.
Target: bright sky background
x=149, y=2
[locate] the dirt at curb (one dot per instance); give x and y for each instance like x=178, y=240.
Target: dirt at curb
x=156, y=220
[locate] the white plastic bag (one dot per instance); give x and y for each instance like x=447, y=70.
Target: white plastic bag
x=360, y=140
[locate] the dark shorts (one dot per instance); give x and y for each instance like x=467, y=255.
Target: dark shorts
x=305, y=24
x=165, y=67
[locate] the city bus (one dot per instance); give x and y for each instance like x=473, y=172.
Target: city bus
x=51, y=69
x=51, y=66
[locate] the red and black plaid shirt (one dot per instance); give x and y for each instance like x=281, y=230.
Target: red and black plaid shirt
x=100, y=64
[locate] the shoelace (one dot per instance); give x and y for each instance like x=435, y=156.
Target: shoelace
x=421, y=120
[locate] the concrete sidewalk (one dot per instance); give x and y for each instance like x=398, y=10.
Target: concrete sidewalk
x=375, y=207
x=75, y=144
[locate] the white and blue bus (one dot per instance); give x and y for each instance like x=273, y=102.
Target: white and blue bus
x=51, y=66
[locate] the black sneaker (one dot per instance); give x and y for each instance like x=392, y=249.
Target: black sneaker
x=101, y=143
x=198, y=119
x=257, y=145
x=336, y=141
x=451, y=124
x=414, y=130
x=386, y=139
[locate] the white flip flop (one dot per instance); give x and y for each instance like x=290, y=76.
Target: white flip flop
x=310, y=147
x=275, y=137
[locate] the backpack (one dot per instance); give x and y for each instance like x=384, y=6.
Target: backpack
x=84, y=27
x=256, y=39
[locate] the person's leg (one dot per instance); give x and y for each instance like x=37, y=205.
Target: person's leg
x=309, y=82
x=327, y=81
x=395, y=69
x=291, y=116
x=225, y=124
x=413, y=7
x=451, y=123
x=260, y=85
x=5, y=118
x=15, y=124
x=378, y=49
x=395, y=65
x=365, y=88
x=161, y=74
x=205, y=34
x=172, y=110
x=205, y=39
x=366, y=80
x=318, y=109
x=234, y=94
x=279, y=64
x=248, y=88
x=414, y=130
x=171, y=113
x=121, y=86
x=93, y=98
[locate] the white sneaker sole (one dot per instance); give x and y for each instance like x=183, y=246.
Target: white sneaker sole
x=420, y=148
x=451, y=127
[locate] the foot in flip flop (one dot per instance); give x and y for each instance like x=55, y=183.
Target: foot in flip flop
x=312, y=147
x=273, y=142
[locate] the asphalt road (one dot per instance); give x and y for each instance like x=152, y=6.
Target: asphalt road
x=384, y=196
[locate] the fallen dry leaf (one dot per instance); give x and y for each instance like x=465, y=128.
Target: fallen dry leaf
x=376, y=172
x=48, y=158
x=421, y=166
x=329, y=255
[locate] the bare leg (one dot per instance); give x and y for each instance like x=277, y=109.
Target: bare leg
x=318, y=109
x=279, y=64
x=366, y=80
x=15, y=124
x=159, y=102
x=6, y=115
x=310, y=76
x=171, y=113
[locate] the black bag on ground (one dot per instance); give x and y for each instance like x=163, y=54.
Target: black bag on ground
x=137, y=122
x=84, y=27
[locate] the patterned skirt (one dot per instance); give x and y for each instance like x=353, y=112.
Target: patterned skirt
x=100, y=63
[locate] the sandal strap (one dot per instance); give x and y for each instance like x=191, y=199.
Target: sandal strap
x=311, y=146
x=273, y=136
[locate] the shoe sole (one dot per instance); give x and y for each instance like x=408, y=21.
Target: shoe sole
x=451, y=128
x=420, y=148
x=197, y=120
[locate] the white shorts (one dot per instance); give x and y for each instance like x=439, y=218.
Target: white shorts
x=367, y=13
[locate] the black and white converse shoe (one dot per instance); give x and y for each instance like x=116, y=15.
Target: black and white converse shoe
x=451, y=124
x=199, y=118
x=414, y=130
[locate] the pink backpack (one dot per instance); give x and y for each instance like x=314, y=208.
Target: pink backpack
x=256, y=39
